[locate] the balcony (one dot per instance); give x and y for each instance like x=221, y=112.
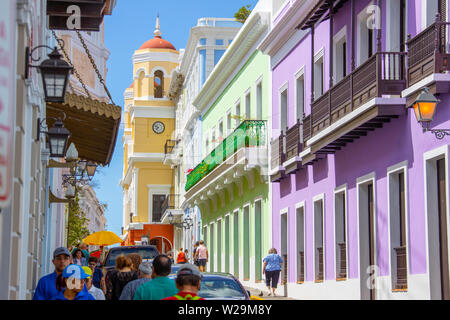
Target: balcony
x=278, y=156
x=171, y=205
x=428, y=61
x=91, y=11
x=172, y=152
x=359, y=103
x=237, y=156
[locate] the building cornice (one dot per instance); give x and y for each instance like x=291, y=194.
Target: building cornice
x=255, y=25
x=168, y=56
x=152, y=112
x=286, y=26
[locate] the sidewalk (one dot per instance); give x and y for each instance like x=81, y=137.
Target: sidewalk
x=280, y=292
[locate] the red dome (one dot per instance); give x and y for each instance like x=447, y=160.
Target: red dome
x=157, y=43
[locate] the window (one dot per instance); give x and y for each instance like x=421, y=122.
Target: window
x=221, y=134
x=212, y=251
x=284, y=108
x=300, y=96
x=238, y=115
x=213, y=138
x=236, y=243
x=284, y=242
x=258, y=240
x=397, y=206
x=318, y=78
x=248, y=112
x=202, y=42
x=159, y=84
x=219, y=42
x=157, y=200
x=340, y=233
x=259, y=111
x=217, y=55
x=219, y=245
x=340, y=55
x=202, y=67
x=228, y=121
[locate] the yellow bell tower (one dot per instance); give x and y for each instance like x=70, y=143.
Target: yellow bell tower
x=149, y=121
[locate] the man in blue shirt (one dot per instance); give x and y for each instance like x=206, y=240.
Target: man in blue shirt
x=46, y=287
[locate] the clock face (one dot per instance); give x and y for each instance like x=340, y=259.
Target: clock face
x=158, y=127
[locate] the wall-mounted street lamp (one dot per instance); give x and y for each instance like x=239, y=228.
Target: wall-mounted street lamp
x=54, y=71
x=425, y=109
x=57, y=136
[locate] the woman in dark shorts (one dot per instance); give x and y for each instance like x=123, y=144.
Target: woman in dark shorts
x=272, y=269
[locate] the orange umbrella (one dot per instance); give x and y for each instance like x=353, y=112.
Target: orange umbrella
x=102, y=238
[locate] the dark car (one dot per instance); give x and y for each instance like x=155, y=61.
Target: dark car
x=148, y=253
x=218, y=286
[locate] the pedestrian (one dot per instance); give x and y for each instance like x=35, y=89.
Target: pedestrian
x=181, y=258
x=170, y=256
x=186, y=256
x=161, y=285
x=46, y=287
x=117, y=278
x=193, y=253
x=136, y=260
x=97, y=273
x=188, y=282
x=78, y=258
x=145, y=275
x=71, y=284
x=202, y=256
x=95, y=292
x=272, y=269
x=85, y=249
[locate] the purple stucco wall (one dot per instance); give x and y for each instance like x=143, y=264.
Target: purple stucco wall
x=401, y=139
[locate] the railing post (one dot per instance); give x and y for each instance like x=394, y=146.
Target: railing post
x=379, y=77
x=437, y=28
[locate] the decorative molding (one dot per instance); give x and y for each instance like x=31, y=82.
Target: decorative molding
x=152, y=112
x=156, y=56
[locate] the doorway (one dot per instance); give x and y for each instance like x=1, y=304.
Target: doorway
x=284, y=250
x=367, y=240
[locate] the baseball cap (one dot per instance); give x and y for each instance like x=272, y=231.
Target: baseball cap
x=146, y=267
x=88, y=271
x=61, y=250
x=76, y=271
x=189, y=269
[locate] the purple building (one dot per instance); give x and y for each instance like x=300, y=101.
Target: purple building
x=359, y=190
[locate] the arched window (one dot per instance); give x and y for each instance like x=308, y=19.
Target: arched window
x=158, y=83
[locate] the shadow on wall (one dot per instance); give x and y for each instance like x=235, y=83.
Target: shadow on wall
x=320, y=170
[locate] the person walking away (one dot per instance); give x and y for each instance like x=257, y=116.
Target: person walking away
x=95, y=292
x=145, y=275
x=272, y=269
x=202, y=256
x=161, y=285
x=97, y=273
x=46, y=287
x=181, y=257
x=171, y=257
x=136, y=260
x=117, y=278
x=71, y=284
x=188, y=283
x=78, y=258
x=193, y=253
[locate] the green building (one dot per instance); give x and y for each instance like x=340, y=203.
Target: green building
x=230, y=185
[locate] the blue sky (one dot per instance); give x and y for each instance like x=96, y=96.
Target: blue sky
x=131, y=24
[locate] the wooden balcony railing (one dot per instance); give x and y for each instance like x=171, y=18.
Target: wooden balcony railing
x=342, y=266
x=383, y=73
x=319, y=268
x=293, y=143
x=428, y=52
x=277, y=151
x=401, y=277
x=301, y=271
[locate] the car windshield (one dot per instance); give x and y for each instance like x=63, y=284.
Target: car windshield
x=220, y=288
x=145, y=253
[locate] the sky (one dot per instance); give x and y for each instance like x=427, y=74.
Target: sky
x=130, y=25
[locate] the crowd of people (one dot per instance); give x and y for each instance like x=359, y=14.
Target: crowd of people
x=77, y=276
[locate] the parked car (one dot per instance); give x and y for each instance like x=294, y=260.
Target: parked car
x=148, y=253
x=218, y=286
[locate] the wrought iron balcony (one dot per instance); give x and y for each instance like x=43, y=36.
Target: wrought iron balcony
x=382, y=74
x=250, y=133
x=428, y=52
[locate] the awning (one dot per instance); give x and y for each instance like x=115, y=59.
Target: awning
x=93, y=126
